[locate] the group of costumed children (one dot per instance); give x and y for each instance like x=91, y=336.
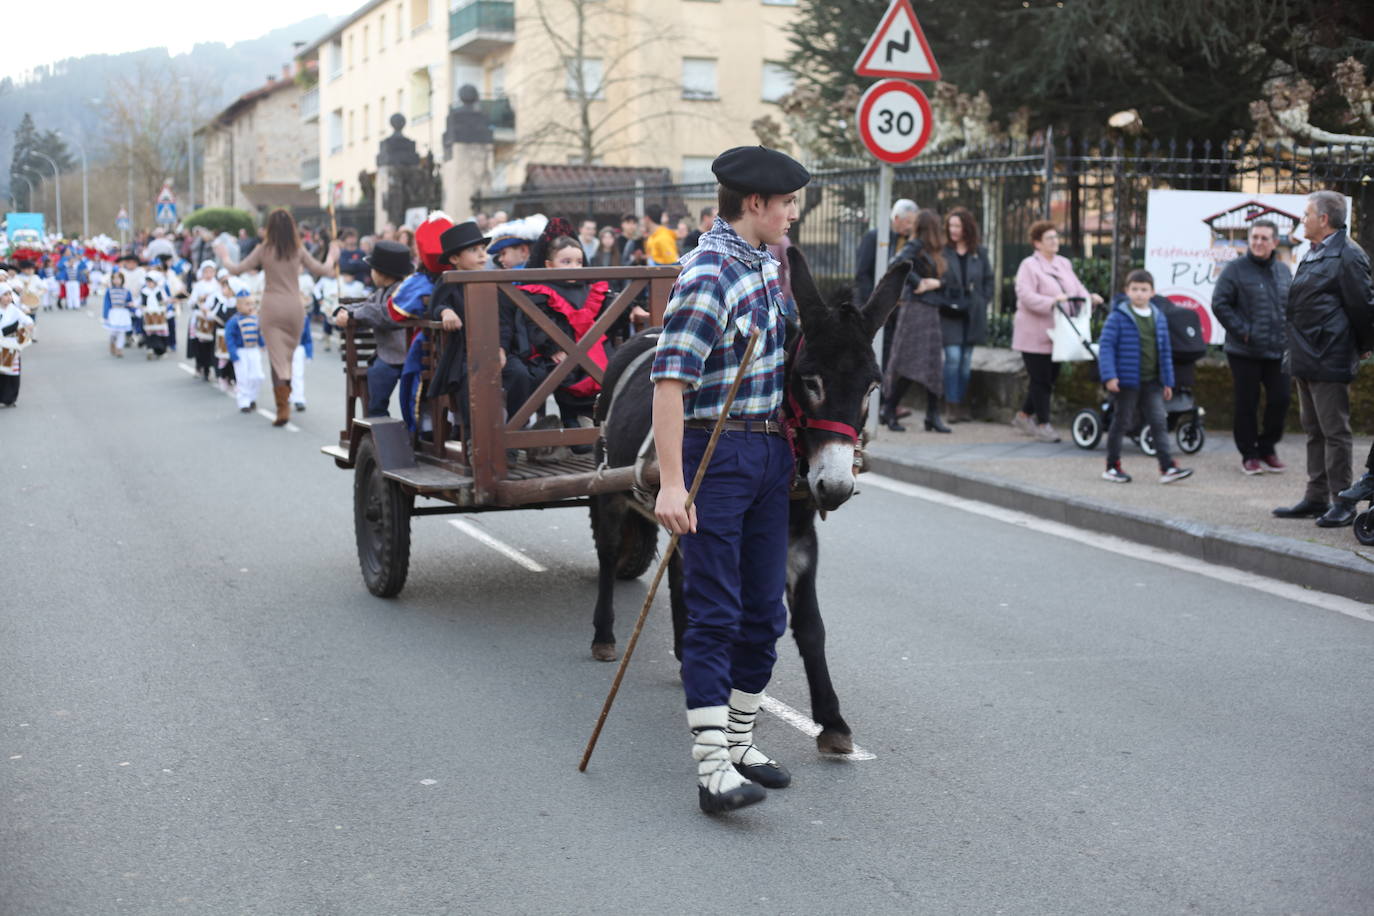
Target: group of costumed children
x=528, y=354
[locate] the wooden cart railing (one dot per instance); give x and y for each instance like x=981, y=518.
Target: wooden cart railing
x=483, y=453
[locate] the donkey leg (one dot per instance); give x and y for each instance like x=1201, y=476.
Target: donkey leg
x=607, y=515
x=676, y=602
x=809, y=630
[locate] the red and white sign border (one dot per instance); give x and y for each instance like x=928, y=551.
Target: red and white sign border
x=870, y=98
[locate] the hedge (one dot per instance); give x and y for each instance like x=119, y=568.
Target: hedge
x=222, y=219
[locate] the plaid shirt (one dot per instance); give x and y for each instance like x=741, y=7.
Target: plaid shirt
x=725, y=290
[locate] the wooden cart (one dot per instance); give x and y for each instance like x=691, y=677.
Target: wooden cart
x=485, y=467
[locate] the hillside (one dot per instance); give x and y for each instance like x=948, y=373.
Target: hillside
x=65, y=97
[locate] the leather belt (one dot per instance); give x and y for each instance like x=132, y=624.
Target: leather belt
x=768, y=427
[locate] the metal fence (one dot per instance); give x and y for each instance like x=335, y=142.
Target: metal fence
x=1094, y=191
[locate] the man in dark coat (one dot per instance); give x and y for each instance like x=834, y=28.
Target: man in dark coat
x=901, y=226
x=1330, y=328
x=1249, y=302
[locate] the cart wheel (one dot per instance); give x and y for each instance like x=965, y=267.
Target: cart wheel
x=1086, y=428
x=381, y=522
x=638, y=546
x=1190, y=436
x=1147, y=441
x=1364, y=528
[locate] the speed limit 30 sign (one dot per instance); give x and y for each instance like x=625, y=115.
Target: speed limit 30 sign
x=894, y=120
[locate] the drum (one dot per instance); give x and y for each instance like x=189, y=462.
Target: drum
x=24, y=334
x=205, y=327
x=155, y=320
x=9, y=358
x=221, y=345
x=30, y=298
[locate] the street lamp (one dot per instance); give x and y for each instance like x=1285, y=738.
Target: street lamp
x=85, y=197
x=57, y=180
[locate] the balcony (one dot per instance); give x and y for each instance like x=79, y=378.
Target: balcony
x=310, y=105
x=310, y=174
x=479, y=27
x=501, y=117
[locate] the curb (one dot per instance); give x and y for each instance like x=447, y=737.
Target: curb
x=1314, y=566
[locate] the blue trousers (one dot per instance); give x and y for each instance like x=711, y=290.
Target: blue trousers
x=381, y=381
x=734, y=567
x=958, y=370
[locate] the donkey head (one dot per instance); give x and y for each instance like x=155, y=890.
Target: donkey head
x=833, y=375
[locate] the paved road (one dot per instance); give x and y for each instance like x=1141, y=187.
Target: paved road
x=203, y=711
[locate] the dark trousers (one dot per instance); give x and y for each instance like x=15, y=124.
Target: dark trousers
x=1248, y=377
x=734, y=567
x=1043, y=372
x=889, y=332
x=9, y=389
x=1150, y=399
x=1325, y=410
x=381, y=381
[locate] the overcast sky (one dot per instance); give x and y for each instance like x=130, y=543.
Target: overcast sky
x=76, y=28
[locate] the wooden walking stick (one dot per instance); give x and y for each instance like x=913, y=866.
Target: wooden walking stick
x=672, y=546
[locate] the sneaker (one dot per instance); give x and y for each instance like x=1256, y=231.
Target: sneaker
x=1045, y=433
x=1022, y=424
x=1175, y=473
x=1250, y=467
x=1273, y=465
x=1115, y=474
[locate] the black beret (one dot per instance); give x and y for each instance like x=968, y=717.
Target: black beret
x=759, y=170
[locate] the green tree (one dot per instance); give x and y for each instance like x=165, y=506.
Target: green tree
x=1189, y=67
x=22, y=165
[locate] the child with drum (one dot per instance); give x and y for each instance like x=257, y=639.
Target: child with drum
x=117, y=315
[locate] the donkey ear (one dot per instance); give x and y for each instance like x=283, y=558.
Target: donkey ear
x=886, y=296
x=810, y=305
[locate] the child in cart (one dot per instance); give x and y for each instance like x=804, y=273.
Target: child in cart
x=1136, y=363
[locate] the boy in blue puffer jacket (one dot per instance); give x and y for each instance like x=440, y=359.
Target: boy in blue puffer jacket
x=1136, y=364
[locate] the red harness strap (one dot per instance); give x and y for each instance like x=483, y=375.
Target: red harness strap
x=793, y=419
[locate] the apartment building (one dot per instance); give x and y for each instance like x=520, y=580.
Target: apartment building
x=252, y=149
x=669, y=83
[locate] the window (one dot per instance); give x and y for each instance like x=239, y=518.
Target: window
x=400, y=24
x=400, y=101
x=777, y=81
x=699, y=78
x=335, y=131
x=350, y=52
x=779, y=2
x=419, y=14
x=367, y=118
x=419, y=94
x=381, y=34
x=591, y=78
x=497, y=79
x=334, y=59
x=350, y=128
x=697, y=169
x=381, y=116
x=367, y=35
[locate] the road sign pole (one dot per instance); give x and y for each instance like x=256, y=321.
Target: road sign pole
x=882, y=220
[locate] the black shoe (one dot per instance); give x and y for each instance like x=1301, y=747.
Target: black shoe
x=1308, y=508
x=935, y=425
x=738, y=797
x=770, y=775
x=300, y=406
x=1340, y=514
x=890, y=421
x=1363, y=489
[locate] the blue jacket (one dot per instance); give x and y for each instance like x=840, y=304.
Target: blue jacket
x=1118, y=354
x=242, y=332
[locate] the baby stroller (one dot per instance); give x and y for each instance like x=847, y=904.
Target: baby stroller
x=1182, y=412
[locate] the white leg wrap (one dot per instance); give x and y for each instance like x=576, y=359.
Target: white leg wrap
x=744, y=708
x=715, y=770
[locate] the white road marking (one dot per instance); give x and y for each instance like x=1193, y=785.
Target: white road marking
x=803, y=724
x=500, y=547
x=187, y=368
x=264, y=412
x=1227, y=574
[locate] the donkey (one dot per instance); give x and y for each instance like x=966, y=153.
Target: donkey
x=830, y=373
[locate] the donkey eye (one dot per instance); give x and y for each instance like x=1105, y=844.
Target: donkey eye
x=815, y=389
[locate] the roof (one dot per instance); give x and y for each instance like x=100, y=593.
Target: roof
x=1255, y=209
x=250, y=98
x=550, y=176
x=352, y=17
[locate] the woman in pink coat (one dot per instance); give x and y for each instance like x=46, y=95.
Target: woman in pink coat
x=1043, y=279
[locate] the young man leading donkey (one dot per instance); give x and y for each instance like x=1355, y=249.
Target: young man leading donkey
x=734, y=544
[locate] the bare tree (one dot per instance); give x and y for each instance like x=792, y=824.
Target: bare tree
x=1285, y=112
x=148, y=117
x=586, y=32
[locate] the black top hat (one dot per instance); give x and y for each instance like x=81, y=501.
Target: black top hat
x=463, y=235
x=390, y=258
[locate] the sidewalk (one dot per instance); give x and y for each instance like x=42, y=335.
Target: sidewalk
x=1218, y=514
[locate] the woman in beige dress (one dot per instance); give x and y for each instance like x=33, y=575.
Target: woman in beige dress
x=281, y=258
